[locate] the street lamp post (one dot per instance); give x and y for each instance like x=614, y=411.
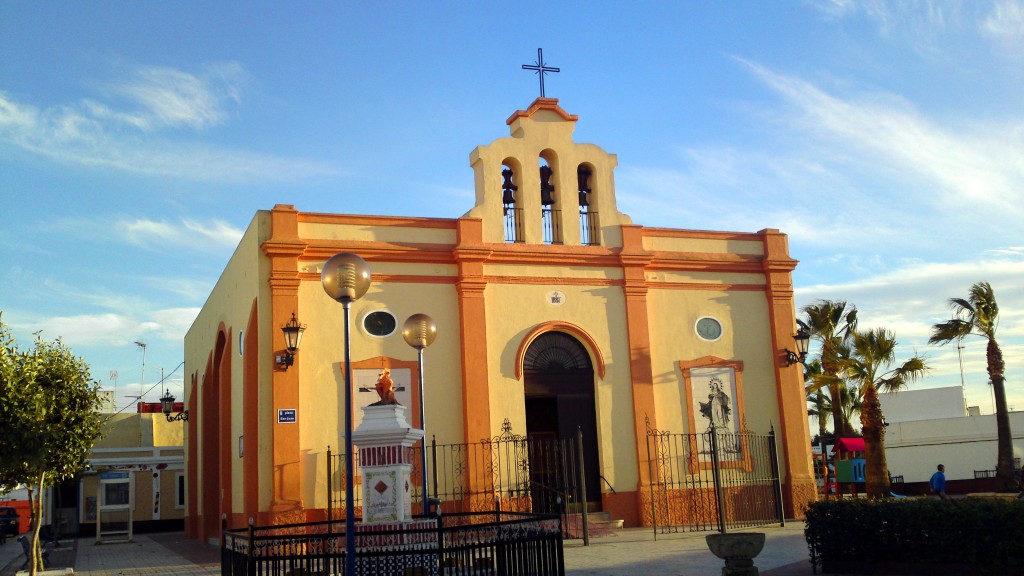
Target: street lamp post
x=419, y=332
x=346, y=277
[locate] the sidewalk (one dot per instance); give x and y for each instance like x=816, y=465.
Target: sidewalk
x=635, y=552
x=631, y=552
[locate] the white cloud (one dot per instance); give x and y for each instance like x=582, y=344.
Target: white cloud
x=214, y=234
x=137, y=132
x=972, y=167
x=1005, y=25
x=921, y=24
x=833, y=165
x=171, y=97
x=114, y=329
x=834, y=8
x=187, y=234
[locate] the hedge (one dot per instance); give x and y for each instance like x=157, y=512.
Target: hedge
x=922, y=535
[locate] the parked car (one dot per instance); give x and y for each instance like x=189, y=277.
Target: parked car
x=10, y=522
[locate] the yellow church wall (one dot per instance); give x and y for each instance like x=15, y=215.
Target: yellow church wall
x=380, y=229
x=407, y=269
x=699, y=241
x=544, y=272
x=745, y=333
x=228, y=306
x=321, y=377
x=600, y=312
x=741, y=280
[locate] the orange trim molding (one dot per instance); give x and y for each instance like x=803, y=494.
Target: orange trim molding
x=542, y=104
x=358, y=219
x=700, y=234
x=555, y=326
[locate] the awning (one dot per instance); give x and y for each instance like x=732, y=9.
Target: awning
x=849, y=445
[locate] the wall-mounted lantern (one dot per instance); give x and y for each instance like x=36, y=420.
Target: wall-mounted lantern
x=167, y=405
x=292, y=336
x=802, y=339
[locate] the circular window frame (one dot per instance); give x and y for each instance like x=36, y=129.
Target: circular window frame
x=721, y=328
x=369, y=314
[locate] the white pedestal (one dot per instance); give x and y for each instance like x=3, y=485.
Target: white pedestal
x=384, y=439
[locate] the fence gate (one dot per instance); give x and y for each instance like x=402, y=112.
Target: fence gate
x=713, y=480
x=509, y=472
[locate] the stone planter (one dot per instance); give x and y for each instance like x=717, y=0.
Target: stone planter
x=738, y=549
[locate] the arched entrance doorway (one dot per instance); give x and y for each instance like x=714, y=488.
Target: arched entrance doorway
x=559, y=385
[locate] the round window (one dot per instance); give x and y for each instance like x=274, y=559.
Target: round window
x=708, y=328
x=379, y=323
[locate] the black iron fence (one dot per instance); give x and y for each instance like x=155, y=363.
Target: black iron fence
x=713, y=480
x=508, y=472
x=589, y=232
x=507, y=543
x=551, y=224
x=513, y=224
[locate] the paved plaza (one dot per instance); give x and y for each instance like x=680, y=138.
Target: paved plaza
x=631, y=552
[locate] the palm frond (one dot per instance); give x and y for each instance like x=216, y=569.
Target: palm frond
x=959, y=305
x=946, y=332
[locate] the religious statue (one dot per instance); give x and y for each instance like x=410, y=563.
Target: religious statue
x=385, y=389
x=716, y=409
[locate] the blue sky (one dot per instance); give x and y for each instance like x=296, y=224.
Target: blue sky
x=137, y=140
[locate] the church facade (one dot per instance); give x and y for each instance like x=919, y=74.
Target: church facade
x=554, y=310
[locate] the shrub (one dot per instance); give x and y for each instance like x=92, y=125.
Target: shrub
x=976, y=532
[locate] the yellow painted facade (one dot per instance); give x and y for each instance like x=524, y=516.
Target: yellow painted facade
x=494, y=283
x=150, y=450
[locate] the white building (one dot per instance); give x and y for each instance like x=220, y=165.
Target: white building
x=930, y=427
x=927, y=404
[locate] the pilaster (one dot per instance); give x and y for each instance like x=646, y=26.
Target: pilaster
x=283, y=248
x=799, y=486
x=634, y=260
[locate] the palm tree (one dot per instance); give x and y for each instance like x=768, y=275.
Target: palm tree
x=978, y=315
x=849, y=398
x=874, y=351
x=812, y=388
x=831, y=323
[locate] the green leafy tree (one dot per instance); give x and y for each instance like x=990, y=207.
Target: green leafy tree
x=871, y=366
x=978, y=315
x=831, y=324
x=49, y=415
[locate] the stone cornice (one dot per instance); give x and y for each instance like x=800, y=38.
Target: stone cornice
x=542, y=104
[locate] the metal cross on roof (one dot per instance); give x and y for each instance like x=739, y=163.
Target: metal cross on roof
x=540, y=68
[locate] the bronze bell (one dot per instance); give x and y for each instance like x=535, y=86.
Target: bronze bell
x=583, y=178
x=546, y=188
x=508, y=188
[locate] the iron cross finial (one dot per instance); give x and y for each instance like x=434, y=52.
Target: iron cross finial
x=540, y=68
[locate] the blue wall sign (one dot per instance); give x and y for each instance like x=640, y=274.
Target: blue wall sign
x=286, y=416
